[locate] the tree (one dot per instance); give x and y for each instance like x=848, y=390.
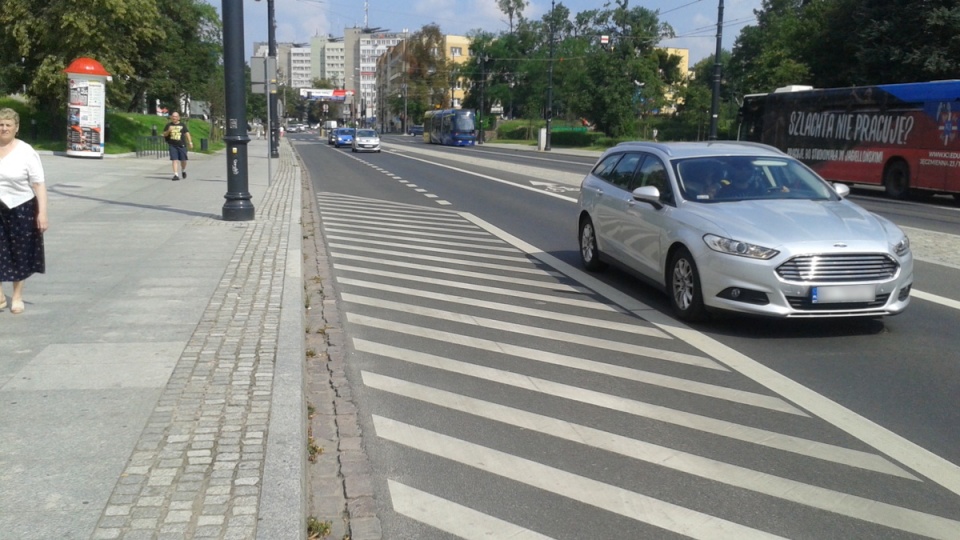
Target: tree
x=429, y=71
x=769, y=55
x=625, y=77
x=163, y=48
x=885, y=41
x=512, y=8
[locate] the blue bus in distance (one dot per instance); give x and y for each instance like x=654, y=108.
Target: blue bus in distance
x=452, y=127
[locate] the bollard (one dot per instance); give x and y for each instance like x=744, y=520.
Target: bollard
x=204, y=145
x=33, y=129
x=153, y=131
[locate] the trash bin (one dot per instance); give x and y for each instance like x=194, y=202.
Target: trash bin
x=204, y=145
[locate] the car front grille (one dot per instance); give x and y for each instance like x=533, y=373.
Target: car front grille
x=839, y=268
x=804, y=303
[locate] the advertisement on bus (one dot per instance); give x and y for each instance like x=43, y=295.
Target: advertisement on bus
x=901, y=136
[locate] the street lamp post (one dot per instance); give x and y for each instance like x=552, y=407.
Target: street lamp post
x=715, y=103
x=272, y=53
x=549, y=112
x=483, y=82
x=238, y=206
x=404, y=86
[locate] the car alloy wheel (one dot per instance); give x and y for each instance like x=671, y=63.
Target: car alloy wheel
x=589, y=252
x=686, y=298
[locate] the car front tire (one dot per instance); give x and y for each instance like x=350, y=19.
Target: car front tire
x=683, y=286
x=589, y=252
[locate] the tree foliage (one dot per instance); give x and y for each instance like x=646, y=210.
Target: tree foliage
x=837, y=43
x=512, y=9
x=157, y=48
x=555, y=66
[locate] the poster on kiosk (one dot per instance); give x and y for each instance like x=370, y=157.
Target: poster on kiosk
x=86, y=106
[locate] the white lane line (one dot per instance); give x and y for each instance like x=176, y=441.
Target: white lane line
x=630, y=328
x=912, y=455
x=372, y=210
x=378, y=230
x=579, y=363
x=553, y=175
x=713, y=426
x=438, y=239
x=548, y=357
x=527, y=269
x=830, y=500
x=393, y=237
x=948, y=302
x=362, y=204
x=454, y=518
x=632, y=505
x=386, y=220
x=415, y=247
x=633, y=329
x=497, y=291
x=493, y=178
x=553, y=286
x=461, y=230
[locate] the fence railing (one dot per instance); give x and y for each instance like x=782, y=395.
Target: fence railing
x=151, y=145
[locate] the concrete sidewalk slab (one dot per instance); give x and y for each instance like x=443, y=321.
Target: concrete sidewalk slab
x=138, y=387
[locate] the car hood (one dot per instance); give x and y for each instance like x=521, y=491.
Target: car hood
x=780, y=222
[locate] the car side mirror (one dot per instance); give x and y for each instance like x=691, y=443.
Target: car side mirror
x=648, y=194
x=842, y=189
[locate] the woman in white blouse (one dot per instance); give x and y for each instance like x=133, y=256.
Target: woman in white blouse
x=23, y=210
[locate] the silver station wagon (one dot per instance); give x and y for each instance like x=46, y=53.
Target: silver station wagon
x=740, y=227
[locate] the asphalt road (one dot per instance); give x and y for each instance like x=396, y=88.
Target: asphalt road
x=505, y=390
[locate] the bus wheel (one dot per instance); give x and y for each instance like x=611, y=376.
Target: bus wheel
x=896, y=180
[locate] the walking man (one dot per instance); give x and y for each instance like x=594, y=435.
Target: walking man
x=176, y=134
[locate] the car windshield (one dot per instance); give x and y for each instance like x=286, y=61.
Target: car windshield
x=736, y=178
x=366, y=133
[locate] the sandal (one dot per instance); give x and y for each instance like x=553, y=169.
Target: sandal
x=16, y=307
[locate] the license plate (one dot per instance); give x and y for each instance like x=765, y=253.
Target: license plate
x=843, y=293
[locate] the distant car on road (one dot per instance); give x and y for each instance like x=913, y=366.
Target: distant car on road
x=740, y=227
x=366, y=140
x=415, y=130
x=344, y=137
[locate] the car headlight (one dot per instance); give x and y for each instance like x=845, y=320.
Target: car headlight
x=736, y=247
x=902, y=247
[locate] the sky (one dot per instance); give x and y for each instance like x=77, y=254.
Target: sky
x=693, y=21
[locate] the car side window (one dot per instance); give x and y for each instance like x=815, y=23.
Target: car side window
x=626, y=169
x=654, y=173
x=604, y=169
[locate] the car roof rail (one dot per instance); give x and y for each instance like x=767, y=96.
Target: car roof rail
x=668, y=148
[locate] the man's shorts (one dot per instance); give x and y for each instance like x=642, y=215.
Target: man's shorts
x=178, y=153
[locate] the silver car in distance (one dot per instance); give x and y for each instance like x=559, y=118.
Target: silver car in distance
x=366, y=140
x=740, y=227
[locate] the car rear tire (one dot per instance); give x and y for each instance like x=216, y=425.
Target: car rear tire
x=896, y=180
x=589, y=252
x=683, y=287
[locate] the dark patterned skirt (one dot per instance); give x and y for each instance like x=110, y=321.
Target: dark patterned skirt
x=21, y=243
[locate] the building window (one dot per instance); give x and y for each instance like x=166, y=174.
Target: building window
x=456, y=51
